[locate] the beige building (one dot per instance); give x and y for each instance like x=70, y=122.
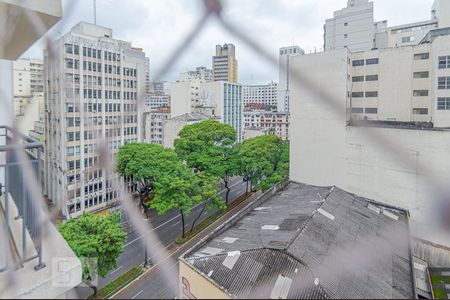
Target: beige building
x=260, y=93
x=91, y=95
x=267, y=122
x=172, y=127
x=154, y=125
x=28, y=83
x=225, y=64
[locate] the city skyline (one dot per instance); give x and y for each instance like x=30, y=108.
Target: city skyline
x=279, y=27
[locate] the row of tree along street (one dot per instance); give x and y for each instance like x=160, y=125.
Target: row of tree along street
x=205, y=155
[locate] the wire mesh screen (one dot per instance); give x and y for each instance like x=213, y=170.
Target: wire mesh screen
x=102, y=147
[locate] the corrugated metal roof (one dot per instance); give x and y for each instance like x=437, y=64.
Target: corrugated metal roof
x=358, y=253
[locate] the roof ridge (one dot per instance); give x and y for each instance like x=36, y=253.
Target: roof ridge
x=309, y=219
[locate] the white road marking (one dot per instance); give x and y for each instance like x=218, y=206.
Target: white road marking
x=177, y=216
x=117, y=269
x=137, y=294
x=176, y=223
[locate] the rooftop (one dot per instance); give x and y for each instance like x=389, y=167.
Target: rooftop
x=324, y=243
x=397, y=125
x=192, y=117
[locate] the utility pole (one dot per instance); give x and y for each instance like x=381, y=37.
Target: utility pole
x=95, y=12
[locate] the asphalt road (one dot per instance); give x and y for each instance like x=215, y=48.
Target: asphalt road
x=168, y=228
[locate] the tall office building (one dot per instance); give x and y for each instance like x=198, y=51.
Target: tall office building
x=225, y=64
x=91, y=93
x=222, y=100
x=28, y=83
x=201, y=73
x=399, y=91
x=284, y=85
x=261, y=93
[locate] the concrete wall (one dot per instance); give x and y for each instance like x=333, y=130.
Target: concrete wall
x=324, y=151
x=436, y=256
x=195, y=286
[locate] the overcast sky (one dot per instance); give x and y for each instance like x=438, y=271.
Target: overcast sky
x=158, y=25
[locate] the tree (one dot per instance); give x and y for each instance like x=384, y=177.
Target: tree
x=262, y=161
x=145, y=164
x=210, y=197
x=95, y=238
x=180, y=190
x=208, y=146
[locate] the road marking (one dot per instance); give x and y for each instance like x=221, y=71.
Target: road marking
x=128, y=244
x=176, y=223
x=116, y=270
x=176, y=217
x=137, y=294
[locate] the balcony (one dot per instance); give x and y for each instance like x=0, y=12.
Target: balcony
x=31, y=247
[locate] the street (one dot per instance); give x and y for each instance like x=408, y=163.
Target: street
x=168, y=228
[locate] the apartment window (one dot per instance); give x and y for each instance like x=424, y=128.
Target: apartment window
x=443, y=83
x=420, y=93
x=69, y=48
x=444, y=62
x=357, y=78
x=357, y=110
x=357, y=63
x=69, y=64
x=345, y=24
x=371, y=77
x=372, y=61
x=408, y=39
x=345, y=36
x=420, y=111
x=421, y=74
x=421, y=56
x=358, y=94
x=443, y=103
x=371, y=94
x=76, y=49
x=371, y=110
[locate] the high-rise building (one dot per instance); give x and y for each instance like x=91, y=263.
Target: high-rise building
x=201, y=73
x=28, y=82
x=261, y=93
x=400, y=92
x=225, y=64
x=154, y=125
x=222, y=100
x=284, y=85
x=91, y=94
x=354, y=28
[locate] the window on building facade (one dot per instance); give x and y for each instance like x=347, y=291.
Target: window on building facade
x=444, y=62
x=443, y=103
x=420, y=93
x=408, y=39
x=371, y=77
x=420, y=111
x=372, y=61
x=357, y=94
x=357, y=110
x=371, y=110
x=444, y=83
x=371, y=94
x=357, y=78
x=421, y=56
x=425, y=74
x=359, y=62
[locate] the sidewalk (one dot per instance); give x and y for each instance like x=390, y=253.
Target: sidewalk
x=136, y=289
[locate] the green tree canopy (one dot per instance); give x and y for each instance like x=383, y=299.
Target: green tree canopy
x=208, y=146
x=97, y=238
x=263, y=160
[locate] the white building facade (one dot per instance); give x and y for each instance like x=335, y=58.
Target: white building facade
x=285, y=76
x=262, y=93
x=223, y=100
x=154, y=125
x=268, y=122
x=28, y=83
x=91, y=94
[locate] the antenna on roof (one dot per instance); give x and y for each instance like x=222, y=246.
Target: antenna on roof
x=95, y=12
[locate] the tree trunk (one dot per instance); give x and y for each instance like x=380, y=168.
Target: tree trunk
x=182, y=223
x=198, y=217
x=89, y=284
x=225, y=180
x=246, y=187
